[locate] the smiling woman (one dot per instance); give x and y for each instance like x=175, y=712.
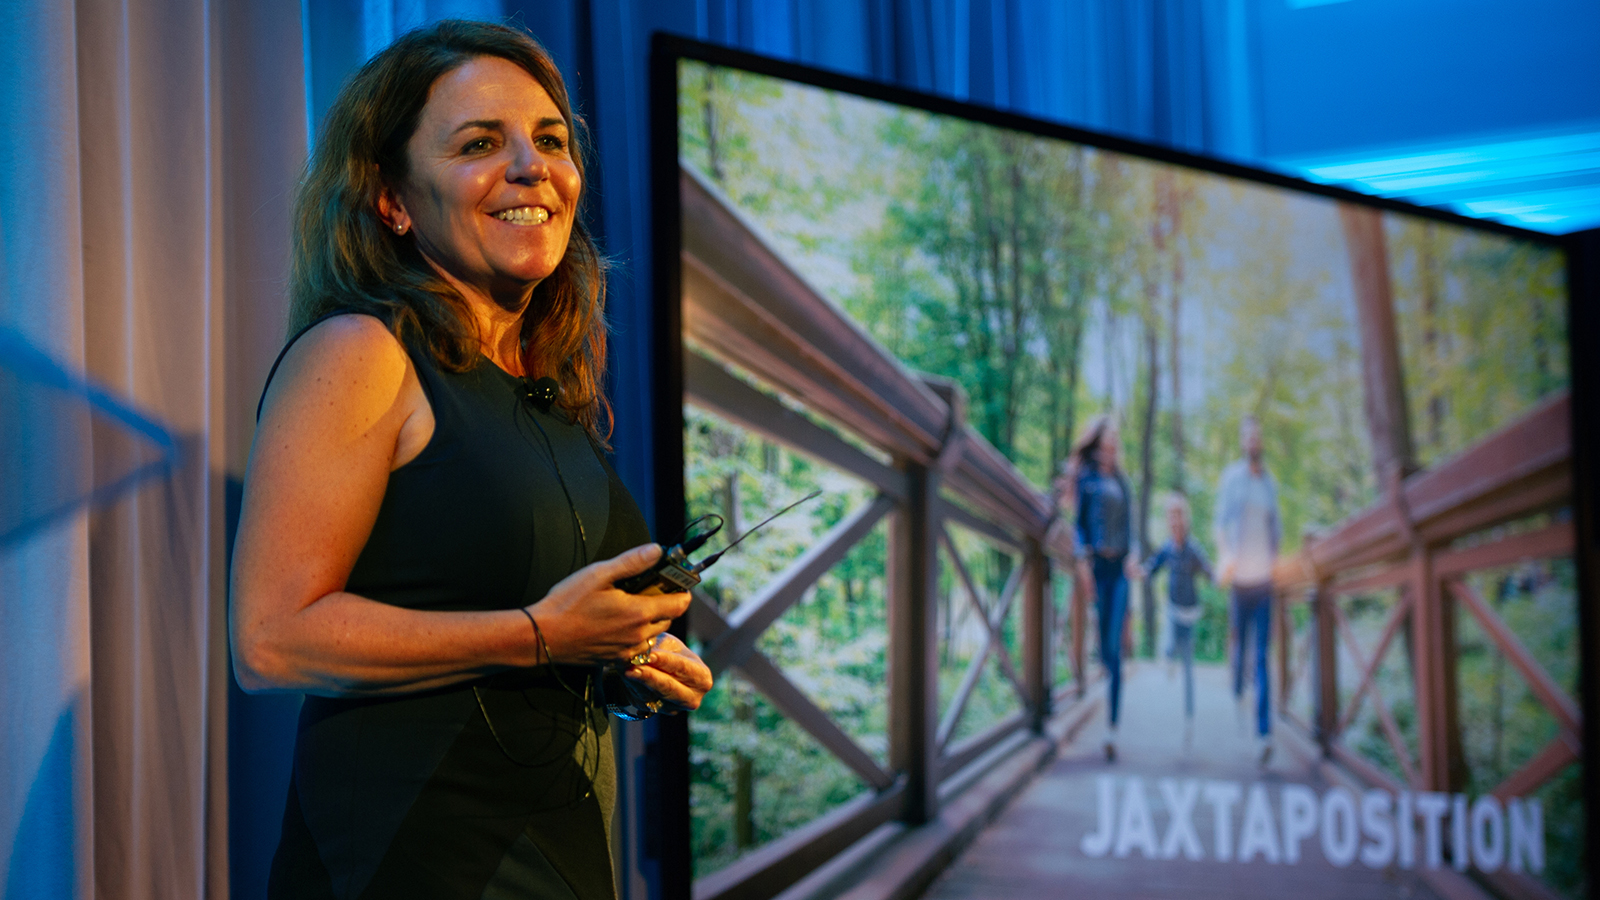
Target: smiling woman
x=426, y=496
x=492, y=185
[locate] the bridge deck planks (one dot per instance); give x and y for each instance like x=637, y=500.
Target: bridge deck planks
x=1031, y=850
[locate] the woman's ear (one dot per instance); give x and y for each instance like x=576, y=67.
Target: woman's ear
x=393, y=211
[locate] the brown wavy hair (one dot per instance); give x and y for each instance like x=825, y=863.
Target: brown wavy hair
x=345, y=258
x=1088, y=444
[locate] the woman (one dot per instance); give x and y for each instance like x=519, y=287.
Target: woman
x=1103, y=539
x=429, y=535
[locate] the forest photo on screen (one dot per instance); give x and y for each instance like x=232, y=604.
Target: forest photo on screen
x=1055, y=283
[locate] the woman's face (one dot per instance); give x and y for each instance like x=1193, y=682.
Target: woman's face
x=1109, y=449
x=492, y=188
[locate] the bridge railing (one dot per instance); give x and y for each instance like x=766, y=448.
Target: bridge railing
x=1497, y=504
x=745, y=310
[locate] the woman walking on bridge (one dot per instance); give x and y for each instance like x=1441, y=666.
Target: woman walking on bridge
x=1103, y=545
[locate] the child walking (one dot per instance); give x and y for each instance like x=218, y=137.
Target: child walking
x=1184, y=559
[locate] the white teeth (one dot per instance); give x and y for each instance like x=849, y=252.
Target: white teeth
x=524, y=215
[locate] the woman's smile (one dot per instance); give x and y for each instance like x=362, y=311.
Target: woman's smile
x=524, y=215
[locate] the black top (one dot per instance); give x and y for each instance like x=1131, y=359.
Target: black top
x=501, y=788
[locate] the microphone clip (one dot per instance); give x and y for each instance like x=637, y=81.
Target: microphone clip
x=542, y=393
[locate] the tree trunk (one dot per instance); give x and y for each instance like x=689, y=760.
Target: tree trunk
x=1431, y=289
x=709, y=111
x=744, y=792
x=1152, y=352
x=1175, y=224
x=1382, y=375
x=1499, y=718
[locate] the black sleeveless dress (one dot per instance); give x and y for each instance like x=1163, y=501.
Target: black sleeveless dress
x=498, y=789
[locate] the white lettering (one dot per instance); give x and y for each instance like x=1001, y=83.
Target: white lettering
x=1258, y=834
x=1098, y=843
x=1527, y=834
x=1222, y=795
x=1488, y=834
x=1180, y=800
x=1135, y=831
x=1405, y=824
x=1380, y=828
x=1432, y=806
x=1379, y=851
x=1340, y=837
x=1299, y=804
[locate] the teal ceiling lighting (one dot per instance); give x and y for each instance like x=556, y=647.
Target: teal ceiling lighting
x=1549, y=182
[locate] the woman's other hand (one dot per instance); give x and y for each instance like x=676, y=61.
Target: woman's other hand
x=586, y=619
x=675, y=672
x=1085, y=569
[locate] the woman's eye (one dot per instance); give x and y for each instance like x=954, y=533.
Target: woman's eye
x=551, y=142
x=478, y=145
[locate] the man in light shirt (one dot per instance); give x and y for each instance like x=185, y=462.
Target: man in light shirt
x=1248, y=529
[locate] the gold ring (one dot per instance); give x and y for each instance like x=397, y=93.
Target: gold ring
x=642, y=658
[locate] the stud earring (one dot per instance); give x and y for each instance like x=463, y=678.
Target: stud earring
x=400, y=229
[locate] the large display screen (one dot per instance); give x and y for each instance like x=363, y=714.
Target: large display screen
x=1332, y=469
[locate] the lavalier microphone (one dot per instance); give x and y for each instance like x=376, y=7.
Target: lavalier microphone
x=542, y=393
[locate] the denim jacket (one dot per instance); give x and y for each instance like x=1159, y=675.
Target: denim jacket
x=1186, y=562
x=1104, y=520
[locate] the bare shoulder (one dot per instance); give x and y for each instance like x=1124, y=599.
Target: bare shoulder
x=353, y=344
x=343, y=363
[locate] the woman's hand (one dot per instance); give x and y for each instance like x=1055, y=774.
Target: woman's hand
x=586, y=619
x=1085, y=569
x=675, y=672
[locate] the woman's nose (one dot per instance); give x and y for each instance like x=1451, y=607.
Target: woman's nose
x=528, y=165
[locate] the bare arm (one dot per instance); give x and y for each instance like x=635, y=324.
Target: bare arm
x=344, y=410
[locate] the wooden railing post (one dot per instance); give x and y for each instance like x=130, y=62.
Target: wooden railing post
x=1285, y=638
x=1423, y=624
x=1327, y=666
x=1434, y=639
x=1080, y=623
x=913, y=646
x=1036, y=631
x=1448, y=718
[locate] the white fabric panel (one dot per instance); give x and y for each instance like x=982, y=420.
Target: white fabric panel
x=44, y=667
x=150, y=147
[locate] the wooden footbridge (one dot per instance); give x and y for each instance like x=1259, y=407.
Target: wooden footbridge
x=750, y=318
